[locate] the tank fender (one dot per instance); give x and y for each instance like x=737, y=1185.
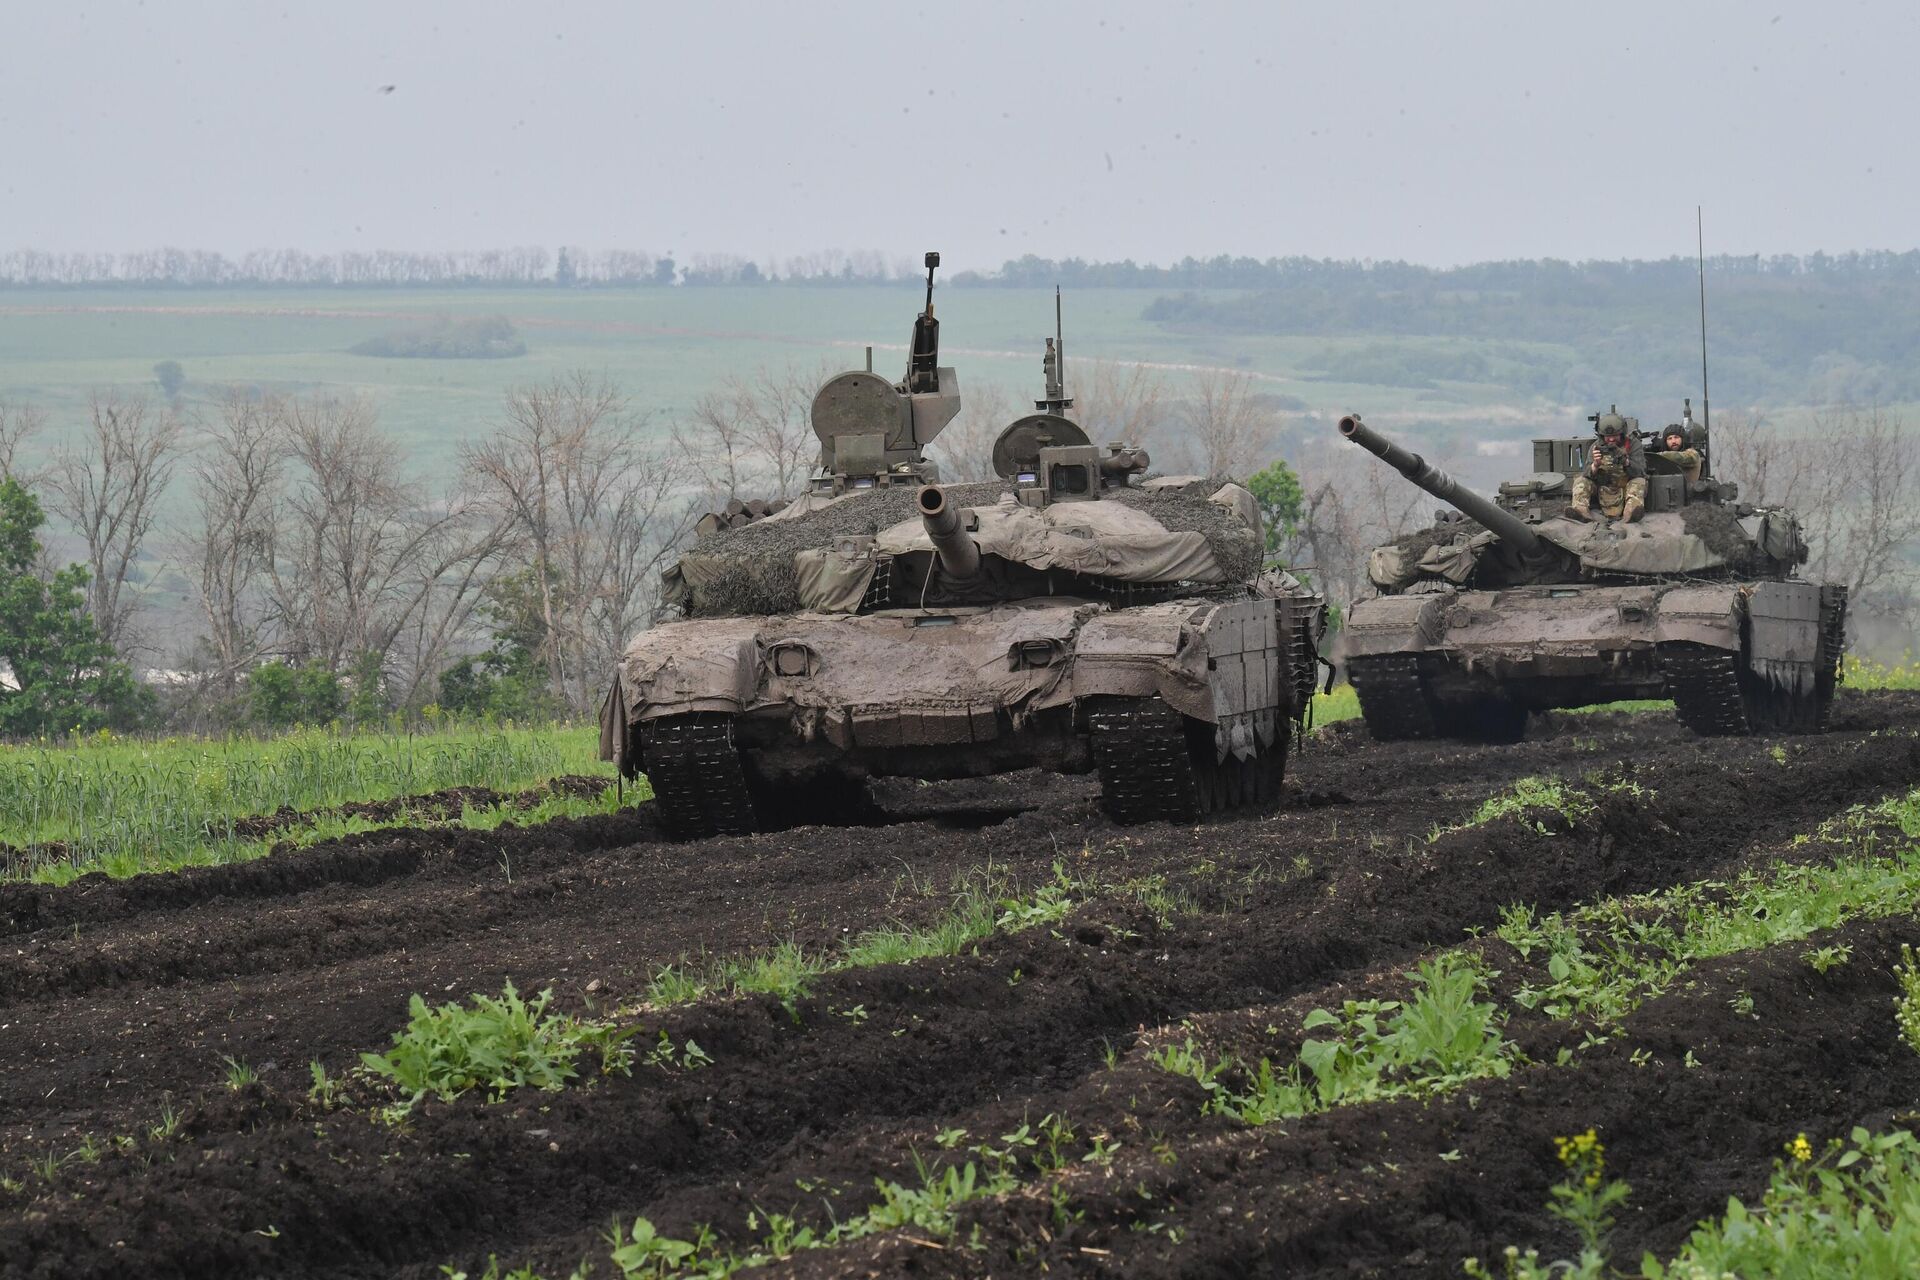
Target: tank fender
x=1708, y=615
x=678, y=677
x=1397, y=624
x=1140, y=652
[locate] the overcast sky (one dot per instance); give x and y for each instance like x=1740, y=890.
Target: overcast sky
x=1439, y=133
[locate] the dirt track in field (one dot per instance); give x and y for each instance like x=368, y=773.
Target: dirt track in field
x=120, y=1000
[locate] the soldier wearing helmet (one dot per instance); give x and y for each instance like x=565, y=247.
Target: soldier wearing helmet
x=1677, y=448
x=1615, y=474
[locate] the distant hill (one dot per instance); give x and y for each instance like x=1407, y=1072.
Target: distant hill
x=1816, y=329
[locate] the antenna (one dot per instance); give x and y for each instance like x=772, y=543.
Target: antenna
x=1700, y=244
x=1059, y=342
x=1054, y=364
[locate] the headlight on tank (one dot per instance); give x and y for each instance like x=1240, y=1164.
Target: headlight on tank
x=1033, y=655
x=793, y=660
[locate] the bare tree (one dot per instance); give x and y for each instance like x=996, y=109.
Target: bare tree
x=456, y=560
x=779, y=423
x=716, y=443
x=351, y=536
x=238, y=471
x=19, y=423
x=1115, y=401
x=1228, y=428
x=592, y=514
x=965, y=449
x=1853, y=479
x=109, y=489
x=754, y=436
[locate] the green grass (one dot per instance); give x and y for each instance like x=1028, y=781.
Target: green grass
x=1343, y=703
x=494, y=1043
x=126, y=806
x=982, y=906
x=1866, y=673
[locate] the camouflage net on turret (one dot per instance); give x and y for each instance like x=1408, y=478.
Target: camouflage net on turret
x=1443, y=533
x=749, y=571
x=1720, y=529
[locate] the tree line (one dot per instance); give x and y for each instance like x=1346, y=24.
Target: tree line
x=519, y=267
x=323, y=580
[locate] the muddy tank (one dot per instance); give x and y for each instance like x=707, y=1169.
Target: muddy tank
x=1514, y=604
x=1069, y=616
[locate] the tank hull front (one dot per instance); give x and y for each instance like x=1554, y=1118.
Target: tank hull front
x=945, y=693
x=1474, y=658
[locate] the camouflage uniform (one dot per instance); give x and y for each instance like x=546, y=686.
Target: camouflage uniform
x=1687, y=460
x=1619, y=482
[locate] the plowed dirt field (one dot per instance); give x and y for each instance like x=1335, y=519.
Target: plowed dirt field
x=121, y=1002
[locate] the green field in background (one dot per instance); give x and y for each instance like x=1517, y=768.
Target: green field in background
x=665, y=347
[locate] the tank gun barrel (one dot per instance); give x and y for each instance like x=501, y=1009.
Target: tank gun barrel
x=959, y=553
x=1440, y=484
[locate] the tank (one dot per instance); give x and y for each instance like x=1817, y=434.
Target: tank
x=1513, y=604
x=1071, y=615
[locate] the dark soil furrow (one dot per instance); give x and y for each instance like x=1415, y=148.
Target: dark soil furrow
x=1338, y=885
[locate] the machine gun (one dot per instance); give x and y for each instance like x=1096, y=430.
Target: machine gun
x=874, y=431
x=923, y=362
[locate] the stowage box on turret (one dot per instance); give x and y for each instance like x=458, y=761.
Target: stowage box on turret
x=1536, y=599
x=1068, y=616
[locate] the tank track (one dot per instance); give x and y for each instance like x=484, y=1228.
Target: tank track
x=1302, y=667
x=1705, y=686
x=1146, y=770
x=1393, y=699
x=699, y=785
x=1833, y=648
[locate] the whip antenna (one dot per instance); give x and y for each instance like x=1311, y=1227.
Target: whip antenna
x=1700, y=245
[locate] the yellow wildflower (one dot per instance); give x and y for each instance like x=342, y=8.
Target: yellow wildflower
x=1800, y=1149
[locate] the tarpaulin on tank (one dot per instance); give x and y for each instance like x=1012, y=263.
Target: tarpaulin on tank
x=831, y=582
x=1107, y=539
x=1656, y=545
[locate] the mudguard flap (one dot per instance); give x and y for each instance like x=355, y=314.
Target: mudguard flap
x=1707, y=615
x=1396, y=624
x=1786, y=623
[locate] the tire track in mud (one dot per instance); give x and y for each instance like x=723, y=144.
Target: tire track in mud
x=830, y=1096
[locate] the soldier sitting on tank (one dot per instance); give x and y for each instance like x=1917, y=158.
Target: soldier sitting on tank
x=1616, y=474
x=1675, y=449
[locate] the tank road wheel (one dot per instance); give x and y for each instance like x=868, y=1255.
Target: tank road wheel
x=1393, y=698
x=699, y=784
x=1154, y=763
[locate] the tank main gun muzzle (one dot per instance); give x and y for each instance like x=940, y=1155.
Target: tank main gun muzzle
x=1441, y=485
x=959, y=553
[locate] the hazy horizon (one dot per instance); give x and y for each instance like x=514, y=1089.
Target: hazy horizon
x=1434, y=135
